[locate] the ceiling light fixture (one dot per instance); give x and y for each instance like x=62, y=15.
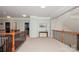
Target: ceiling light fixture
x=43, y=6
x=8, y=17
x=24, y=15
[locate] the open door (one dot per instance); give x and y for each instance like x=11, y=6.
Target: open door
x=7, y=27
x=27, y=28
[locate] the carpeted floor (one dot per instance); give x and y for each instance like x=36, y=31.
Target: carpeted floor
x=44, y=45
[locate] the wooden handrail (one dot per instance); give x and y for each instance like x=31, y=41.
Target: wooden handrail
x=3, y=33
x=74, y=33
x=19, y=32
x=62, y=34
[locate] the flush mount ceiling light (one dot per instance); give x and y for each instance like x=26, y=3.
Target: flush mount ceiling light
x=43, y=6
x=24, y=15
x=8, y=17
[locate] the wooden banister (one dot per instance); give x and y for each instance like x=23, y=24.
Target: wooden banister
x=74, y=33
x=63, y=33
x=12, y=34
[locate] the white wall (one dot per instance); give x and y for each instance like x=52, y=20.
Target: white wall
x=1, y=26
x=35, y=23
x=67, y=22
x=59, y=23
x=20, y=22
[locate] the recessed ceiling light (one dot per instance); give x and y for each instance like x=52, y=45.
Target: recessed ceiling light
x=43, y=6
x=8, y=17
x=24, y=15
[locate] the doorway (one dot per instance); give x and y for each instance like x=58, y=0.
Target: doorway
x=27, y=28
x=7, y=27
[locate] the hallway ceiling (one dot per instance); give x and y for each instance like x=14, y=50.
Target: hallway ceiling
x=18, y=11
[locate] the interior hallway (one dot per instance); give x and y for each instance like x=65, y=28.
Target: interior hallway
x=44, y=45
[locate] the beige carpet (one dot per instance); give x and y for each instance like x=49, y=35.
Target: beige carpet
x=44, y=45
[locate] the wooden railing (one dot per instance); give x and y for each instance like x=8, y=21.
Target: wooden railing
x=69, y=32
x=63, y=31
x=12, y=34
x=67, y=37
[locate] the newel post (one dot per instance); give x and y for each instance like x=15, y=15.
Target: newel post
x=13, y=41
